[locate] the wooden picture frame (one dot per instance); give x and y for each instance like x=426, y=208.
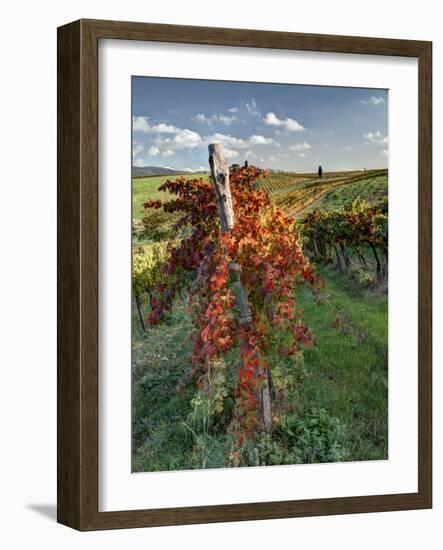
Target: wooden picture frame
x=78, y=274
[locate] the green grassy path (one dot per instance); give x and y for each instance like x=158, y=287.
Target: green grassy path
x=346, y=373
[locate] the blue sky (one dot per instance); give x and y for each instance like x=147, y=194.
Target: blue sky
x=280, y=126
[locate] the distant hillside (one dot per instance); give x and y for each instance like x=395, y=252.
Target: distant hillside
x=373, y=190
x=295, y=193
x=144, y=171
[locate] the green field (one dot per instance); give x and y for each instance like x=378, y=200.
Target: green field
x=373, y=190
x=147, y=188
x=337, y=406
x=351, y=386
x=151, y=225
x=333, y=190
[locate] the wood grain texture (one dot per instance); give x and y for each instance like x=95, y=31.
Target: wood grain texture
x=68, y=276
x=425, y=273
x=78, y=262
x=77, y=172
x=220, y=174
x=254, y=38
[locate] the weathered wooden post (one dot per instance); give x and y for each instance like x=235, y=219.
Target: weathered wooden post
x=220, y=173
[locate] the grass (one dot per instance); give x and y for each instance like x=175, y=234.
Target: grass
x=345, y=375
x=281, y=187
x=152, y=225
x=275, y=183
x=343, y=379
x=295, y=195
x=147, y=188
x=347, y=372
x=144, y=189
x=373, y=190
x=160, y=359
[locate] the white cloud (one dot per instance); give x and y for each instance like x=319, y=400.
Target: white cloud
x=302, y=155
x=239, y=143
x=289, y=124
x=187, y=139
x=375, y=138
x=164, y=151
x=169, y=138
x=373, y=101
x=227, y=120
x=139, y=162
x=300, y=147
x=233, y=110
x=137, y=148
x=251, y=154
x=227, y=140
x=183, y=139
x=278, y=157
x=251, y=106
x=163, y=128
x=384, y=152
x=210, y=120
x=199, y=169
x=260, y=140
x=231, y=153
x=140, y=124
x=348, y=148
x=200, y=118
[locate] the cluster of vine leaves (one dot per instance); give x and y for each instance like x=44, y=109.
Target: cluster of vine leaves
x=267, y=246
x=357, y=225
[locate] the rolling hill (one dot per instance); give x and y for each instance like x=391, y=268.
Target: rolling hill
x=145, y=171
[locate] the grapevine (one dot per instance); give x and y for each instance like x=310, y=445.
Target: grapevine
x=357, y=227
x=266, y=244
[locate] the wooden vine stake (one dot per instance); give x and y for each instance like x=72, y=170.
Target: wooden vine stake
x=220, y=173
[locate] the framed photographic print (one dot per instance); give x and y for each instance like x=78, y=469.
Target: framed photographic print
x=244, y=275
